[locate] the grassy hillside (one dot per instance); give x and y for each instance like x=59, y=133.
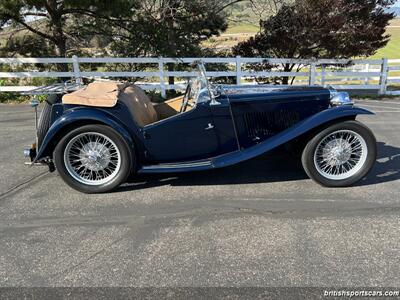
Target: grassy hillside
x=241, y=28
x=392, y=49
x=240, y=31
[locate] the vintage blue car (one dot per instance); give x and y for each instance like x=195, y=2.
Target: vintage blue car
x=98, y=136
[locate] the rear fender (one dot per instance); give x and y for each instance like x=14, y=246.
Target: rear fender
x=79, y=116
x=324, y=117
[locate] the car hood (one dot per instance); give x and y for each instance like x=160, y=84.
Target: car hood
x=231, y=90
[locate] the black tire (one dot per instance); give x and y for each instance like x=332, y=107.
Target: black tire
x=43, y=123
x=310, y=167
x=120, y=176
x=44, y=119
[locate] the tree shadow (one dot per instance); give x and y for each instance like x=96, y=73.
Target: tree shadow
x=274, y=167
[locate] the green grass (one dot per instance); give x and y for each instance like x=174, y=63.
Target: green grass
x=392, y=49
x=242, y=28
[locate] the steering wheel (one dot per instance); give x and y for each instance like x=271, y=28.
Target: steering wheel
x=186, y=97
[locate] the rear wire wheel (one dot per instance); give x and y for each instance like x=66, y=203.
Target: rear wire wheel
x=93, y=159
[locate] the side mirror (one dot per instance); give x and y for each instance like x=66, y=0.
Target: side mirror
x=214, y=102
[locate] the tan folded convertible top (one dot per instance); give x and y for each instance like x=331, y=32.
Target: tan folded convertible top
x=107, y=94
x=101, y=94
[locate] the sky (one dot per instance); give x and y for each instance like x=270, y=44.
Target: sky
x=397, y=4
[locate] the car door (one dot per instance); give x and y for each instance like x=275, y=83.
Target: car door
x=186, y=136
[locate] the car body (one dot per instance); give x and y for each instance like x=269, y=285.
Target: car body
x=216, y=126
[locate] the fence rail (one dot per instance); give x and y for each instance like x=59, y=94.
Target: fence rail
x=375, y=74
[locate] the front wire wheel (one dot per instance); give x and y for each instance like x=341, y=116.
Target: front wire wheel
x=93, y=159
x=340, y=155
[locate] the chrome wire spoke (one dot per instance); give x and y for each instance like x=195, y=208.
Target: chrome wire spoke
x=92, y=158
x=340, y=154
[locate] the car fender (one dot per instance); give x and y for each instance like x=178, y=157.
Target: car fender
x=289, y=134
x=76, y=116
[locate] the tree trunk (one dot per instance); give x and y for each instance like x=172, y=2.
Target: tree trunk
x=57, y=24
x=172, y=46
x=171, y=79
x=61, y=51
x=286, y=68
x=61, y=48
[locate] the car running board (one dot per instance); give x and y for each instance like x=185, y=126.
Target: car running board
x=177, y=167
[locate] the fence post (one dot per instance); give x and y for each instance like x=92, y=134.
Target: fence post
x=366, y=80
x=384, y=75
x=323, y=74
x=77, y=72
x=162, y=79
x=238, y=70
x=313, y=73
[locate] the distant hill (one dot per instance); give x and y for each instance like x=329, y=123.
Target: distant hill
x=245, y=12
x=251, y=12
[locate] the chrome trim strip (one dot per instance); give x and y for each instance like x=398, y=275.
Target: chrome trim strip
x=174, y=165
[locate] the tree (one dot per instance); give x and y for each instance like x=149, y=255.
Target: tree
x=266, y=8
x=169, y=28
x=131, y=27
x=25, y=45
x=53, y=16
x=321, y=29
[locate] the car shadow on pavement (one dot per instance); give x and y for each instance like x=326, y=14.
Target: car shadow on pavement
x=386, y=168
x=267, y=168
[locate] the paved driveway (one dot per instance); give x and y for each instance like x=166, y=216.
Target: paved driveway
x=260, y=223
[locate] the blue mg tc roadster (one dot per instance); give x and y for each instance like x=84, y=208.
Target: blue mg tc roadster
x=99, y=135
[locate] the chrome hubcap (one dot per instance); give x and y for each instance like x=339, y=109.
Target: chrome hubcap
x=92, y=158
x=340, y=154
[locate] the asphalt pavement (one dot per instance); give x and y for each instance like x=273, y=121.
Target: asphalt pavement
x=260, y=223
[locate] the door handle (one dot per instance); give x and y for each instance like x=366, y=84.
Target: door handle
x=210, y=126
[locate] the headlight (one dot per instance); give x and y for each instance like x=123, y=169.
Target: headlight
x=340, y=98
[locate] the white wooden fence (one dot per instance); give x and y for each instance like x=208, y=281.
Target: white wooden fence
x=358, y=74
